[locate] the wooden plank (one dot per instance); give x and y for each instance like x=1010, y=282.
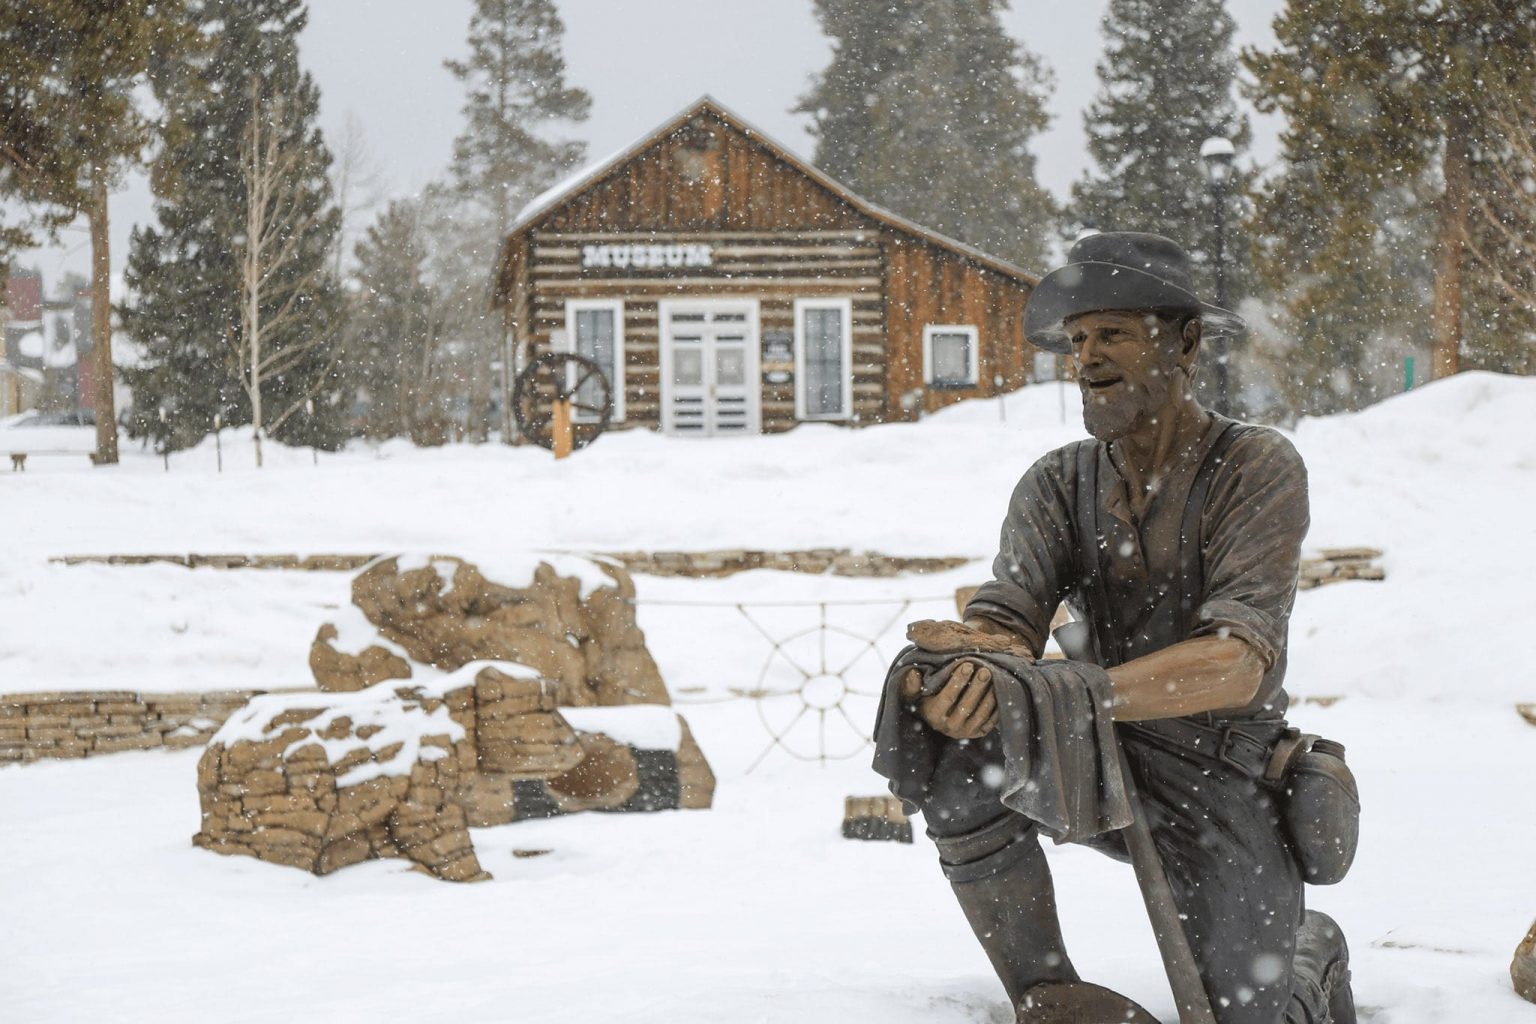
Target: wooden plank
x=769, y=234
x=567, y=270
x=766, y=246
x=721, y=264
x=780, y=250
x=709, y=283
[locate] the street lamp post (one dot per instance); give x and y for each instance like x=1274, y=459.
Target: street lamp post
x=1217, y=154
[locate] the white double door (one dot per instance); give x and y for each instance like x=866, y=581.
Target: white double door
x=709, y=367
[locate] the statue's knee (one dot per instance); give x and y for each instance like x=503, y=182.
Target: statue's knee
x=987, y=850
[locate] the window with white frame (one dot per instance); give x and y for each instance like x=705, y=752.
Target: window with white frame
x=594, y=328
x=823, y=359
x=949, y=356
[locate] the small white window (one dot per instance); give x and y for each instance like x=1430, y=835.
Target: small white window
x=823, y=359
x=595, y=328
x=949, y=356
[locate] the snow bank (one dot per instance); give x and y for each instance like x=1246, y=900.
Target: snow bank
x=1439, y=478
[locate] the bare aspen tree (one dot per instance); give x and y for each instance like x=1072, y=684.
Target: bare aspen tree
x=355, y=181
x=276, y=282
x=1504, y=213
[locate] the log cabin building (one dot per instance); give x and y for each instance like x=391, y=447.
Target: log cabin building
x=726, y=286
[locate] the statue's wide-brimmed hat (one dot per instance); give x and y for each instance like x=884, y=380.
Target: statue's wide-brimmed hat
x=1116, y=270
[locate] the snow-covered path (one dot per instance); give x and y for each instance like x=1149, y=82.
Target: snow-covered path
x=754, y=911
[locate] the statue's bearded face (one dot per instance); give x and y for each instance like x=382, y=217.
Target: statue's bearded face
x=1128, y=369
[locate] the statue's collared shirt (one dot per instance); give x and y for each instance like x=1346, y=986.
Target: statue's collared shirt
x=1251, y=526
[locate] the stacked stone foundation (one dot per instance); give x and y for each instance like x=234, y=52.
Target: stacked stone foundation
x=84, y=723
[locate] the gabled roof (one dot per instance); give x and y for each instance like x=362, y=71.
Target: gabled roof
x=548, y=201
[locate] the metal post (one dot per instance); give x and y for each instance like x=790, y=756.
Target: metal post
x=1218, y=154
x=1223, y=375
x=1061, y=387
x=1408, y=374
x=218, y=441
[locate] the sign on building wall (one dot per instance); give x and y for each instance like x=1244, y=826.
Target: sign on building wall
x=645, y=256
x=778, y=356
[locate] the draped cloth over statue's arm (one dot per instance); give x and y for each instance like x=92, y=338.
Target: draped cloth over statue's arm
x=1054, y=740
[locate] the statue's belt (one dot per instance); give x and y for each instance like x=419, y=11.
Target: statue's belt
x=1246, y=746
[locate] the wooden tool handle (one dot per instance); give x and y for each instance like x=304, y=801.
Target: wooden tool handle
x=1172, y=941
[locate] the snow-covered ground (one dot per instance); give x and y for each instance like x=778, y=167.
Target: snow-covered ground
x=756, y=910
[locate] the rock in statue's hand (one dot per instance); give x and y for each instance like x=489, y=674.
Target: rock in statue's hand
x=966, y=707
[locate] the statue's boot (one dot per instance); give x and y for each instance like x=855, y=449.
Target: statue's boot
x=1078, y=1002
x=1000, y=877
x=1320, y=991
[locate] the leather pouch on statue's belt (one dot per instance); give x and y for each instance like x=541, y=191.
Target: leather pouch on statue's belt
x=1322, y=804
x=1316, y=790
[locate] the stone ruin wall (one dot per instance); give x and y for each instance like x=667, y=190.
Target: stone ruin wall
x=82, y=723
x=324, y=781
x=722, y=562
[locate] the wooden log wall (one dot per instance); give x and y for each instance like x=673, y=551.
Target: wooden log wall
x=773, y=269
x=926, y=284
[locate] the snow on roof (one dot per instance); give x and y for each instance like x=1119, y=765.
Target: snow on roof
x=61, y=356
x=31, y=345
x=544, y=200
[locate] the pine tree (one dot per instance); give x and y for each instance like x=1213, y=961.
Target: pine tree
x=186, y=273
x=1501, y=236
x=1166, y=85
x=869, y=41
x=36, y=164
x=515, y=84
x=1389, y=106
x=928, y=108
x=395, y=324
x=514, y=79
x=72, y=124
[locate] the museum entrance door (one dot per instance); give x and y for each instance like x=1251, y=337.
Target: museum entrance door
x=709, y=367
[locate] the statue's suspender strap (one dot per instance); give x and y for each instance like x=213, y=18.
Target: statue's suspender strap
x=1191, y=581
x=1107, y=629
x=1089, y=545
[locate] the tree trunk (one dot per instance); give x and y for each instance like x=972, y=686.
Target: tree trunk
x=480, y=388
x=1450, y=242
x=101, y=320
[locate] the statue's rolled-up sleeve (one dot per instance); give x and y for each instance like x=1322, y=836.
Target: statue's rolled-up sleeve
x=1033, y=568
x=1254, y=524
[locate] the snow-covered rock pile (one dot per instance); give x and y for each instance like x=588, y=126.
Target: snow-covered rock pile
x=320, y=785
x=453, y=712
x=573, y=621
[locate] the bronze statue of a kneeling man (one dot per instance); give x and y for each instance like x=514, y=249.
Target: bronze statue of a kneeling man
x=1173, y=535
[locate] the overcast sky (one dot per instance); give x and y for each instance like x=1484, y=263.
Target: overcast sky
x=379, y=65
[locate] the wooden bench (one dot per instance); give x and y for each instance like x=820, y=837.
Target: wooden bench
x=19, y=459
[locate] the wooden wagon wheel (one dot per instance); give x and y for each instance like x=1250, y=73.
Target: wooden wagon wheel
x=555, y=377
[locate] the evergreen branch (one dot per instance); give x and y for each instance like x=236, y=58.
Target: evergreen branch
x=306, y=395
